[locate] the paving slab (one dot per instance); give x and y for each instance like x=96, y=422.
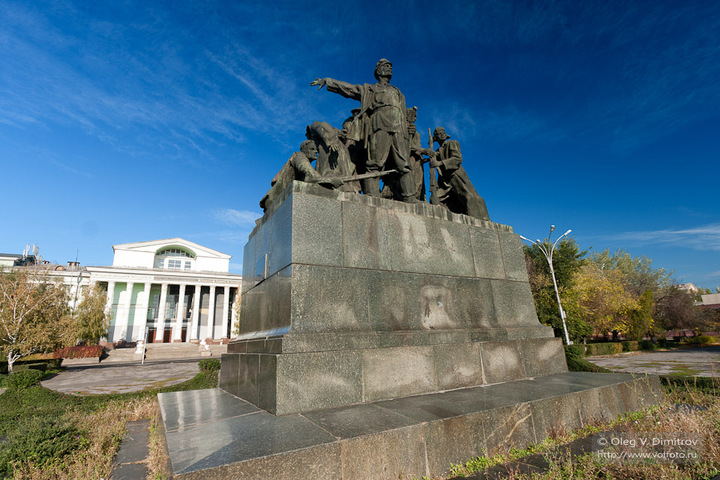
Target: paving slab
x=121, y=378
x=701, y=362
x=130, y=461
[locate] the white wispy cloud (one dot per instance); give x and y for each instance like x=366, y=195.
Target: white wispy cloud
x=703, y=237
x=231, y=216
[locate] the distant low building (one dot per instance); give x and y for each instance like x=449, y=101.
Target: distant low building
x=711, y=301
x=689, y=288
x=170, y=290
x=16, y=260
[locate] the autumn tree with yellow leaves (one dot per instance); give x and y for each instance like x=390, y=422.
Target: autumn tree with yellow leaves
x=34, y=314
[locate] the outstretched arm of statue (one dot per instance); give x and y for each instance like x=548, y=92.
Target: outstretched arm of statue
x=319, y=82
x=347, y=90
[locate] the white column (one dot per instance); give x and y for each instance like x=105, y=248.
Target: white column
x=108, y=307
x=110, y=294
x=161, y=312
x=142, y=312
x=179, y=315
x=194, y=334
x=124, y=313
x=226, y=307
x=211, y=313
x=234, y=315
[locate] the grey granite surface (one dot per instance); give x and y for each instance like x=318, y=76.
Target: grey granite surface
x=212, y=434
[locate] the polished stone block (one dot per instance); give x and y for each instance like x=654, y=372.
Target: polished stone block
x=198, y=407
x=487, y=255
x=317, y=237
x=312, y=381
x=458, y=365
x=513, y=257
x=229, y=370
x=502, y=360
x=365, y=237
x=329, y=300
x=398, y=372
x=429, y=246
x=514, y=305
x=388, y=455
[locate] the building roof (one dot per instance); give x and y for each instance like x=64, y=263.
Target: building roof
x=153, y=245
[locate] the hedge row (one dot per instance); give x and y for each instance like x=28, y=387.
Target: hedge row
x=608, y=348
x=701, y=340
x=85, y=351
x=42, y=365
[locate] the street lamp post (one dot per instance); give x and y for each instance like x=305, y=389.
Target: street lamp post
x=548, y=255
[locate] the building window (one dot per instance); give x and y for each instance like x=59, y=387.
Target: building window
x=174, y=258
x=175, y=252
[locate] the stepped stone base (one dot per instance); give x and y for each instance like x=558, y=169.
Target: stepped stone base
x=409, y=364
x=212, y=434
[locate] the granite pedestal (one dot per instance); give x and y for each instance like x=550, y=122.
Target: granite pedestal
x=381, y=339
x=351, y=299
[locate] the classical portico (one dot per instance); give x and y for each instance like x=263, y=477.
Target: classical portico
x=169, y=291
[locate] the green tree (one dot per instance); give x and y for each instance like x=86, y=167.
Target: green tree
x=640, y=321
x=91, y=315
x=568, y=258
x=34, y=315
x=675, y=310
x=640, y=276
x=603, y=298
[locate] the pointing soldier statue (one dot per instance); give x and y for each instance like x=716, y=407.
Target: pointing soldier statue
x=381, y=125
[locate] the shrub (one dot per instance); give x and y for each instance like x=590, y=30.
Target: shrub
x=579, y=364
x=209, y=365
x=709, y=385
x=608, y=348
x=38, y=440
x=702, y=340
x=664, y=343
x=576, y=351
x=31, y=366
x=24, y=378
x=80, y=351
x=648, y=345
x=630, y=345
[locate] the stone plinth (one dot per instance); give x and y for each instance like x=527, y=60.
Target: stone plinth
x=351, y=299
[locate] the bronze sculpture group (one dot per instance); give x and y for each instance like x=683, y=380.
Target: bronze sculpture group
x=380, y=140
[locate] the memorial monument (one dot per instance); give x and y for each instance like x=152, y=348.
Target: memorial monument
x=382, y=337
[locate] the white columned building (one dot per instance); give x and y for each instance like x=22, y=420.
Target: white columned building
x=169, y=290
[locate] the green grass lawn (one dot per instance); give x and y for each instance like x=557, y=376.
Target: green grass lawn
x=46, y=434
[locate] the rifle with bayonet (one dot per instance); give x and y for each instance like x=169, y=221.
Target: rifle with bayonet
x=349, y=178
x=434, y=200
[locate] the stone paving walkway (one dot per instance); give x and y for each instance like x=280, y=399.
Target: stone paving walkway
x=130, y=461
x=702, y=362
x=121, y=378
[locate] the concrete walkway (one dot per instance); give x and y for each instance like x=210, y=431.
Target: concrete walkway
x=701, y=361
x=121, y=378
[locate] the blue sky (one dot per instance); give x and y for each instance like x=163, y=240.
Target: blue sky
x=129, y=121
